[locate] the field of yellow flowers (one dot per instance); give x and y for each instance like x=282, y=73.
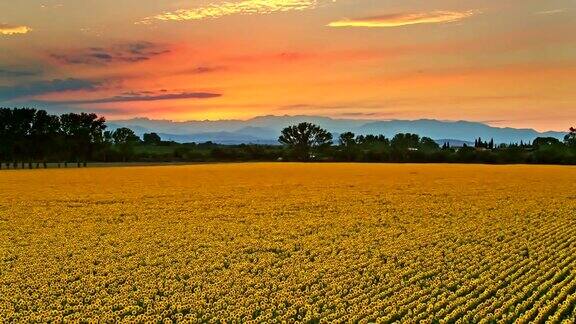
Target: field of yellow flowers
x=283, y=242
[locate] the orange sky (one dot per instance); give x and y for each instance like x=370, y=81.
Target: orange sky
x=511, y=64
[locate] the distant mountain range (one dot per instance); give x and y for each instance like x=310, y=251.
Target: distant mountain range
x=266, y=129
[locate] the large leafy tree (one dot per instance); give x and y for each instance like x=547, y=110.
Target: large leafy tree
x=405, y=141
x=6, y=135
x=125, y=139
x=21, y=128
x=348, y=145
x=545, y=141
x=548, y=150
x=428, y=145
x=26, y=134
x=347, y=139
x=44, y=135
x=84, y=133
x=304, y=139
x=373, y=141
x=152, y=139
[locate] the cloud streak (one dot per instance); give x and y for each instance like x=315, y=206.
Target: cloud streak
x=18, y=73
x=44, y=87
x=551, y=12
x=6, y=29
x=245, y=7
x=119, y=53
x=405, y=19
x=203, y=70
x=141, y=97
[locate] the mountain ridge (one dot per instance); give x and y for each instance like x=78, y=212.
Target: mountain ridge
x=266, y=129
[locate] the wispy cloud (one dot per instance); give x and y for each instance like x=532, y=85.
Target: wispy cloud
x=551, y=12
x=245, y=7
x=142, y=96
x=16, y=73
x=203, y=70
x=6, y=29
x=44, y=87
x=119, y=53
x=404, y=19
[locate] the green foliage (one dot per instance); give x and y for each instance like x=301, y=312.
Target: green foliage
x=125, y=139
x=347, y=139
x=405, y=141
x=29, y=136
x=429, y=145
x=305, y=139
x=124, y=136
x=33, y=135
x=349, y=147
x=152, y=139
x=540, y=142
x=82, y=133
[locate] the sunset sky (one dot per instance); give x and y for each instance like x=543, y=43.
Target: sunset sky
x=506, y=63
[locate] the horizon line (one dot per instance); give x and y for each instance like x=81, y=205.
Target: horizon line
x=336, y=119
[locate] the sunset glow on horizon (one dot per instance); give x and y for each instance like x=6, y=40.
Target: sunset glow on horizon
x=507, y=64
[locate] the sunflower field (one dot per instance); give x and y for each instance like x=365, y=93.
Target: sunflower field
x=289, y=243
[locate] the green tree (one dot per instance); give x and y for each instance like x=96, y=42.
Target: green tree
x=348, y=145
x=404, y=146
x=106, y=147
x=428, y=145
x=548, y=150
x=83, y=134
x=125, y=139
x=44, y=136
x=7, y=136
x=347, y=139
x=545, y=141
x=22, y=120
x=305, y=139
x=405, y=141
x=373, y=141
x=152, y=139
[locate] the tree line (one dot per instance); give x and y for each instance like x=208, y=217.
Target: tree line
x=31, y=138
x=310, y=142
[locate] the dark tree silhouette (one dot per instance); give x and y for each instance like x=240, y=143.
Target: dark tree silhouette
x=545, y=141
x=405, y=141
x=548, y=150
x=348, y=145
x=305, y=138
x=347, y=139
x=403, y=146
x=44, y=136
x=107, y=143
x=373, y=141
x=21, y=126
x=152, y=139
x=570, y=139
x=29, y=136
x=6, y=135
x=84, y=134
x=125, y=139
x=428, y=145
x=372, y=148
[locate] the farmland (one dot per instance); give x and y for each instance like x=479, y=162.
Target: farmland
x=289, y=242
